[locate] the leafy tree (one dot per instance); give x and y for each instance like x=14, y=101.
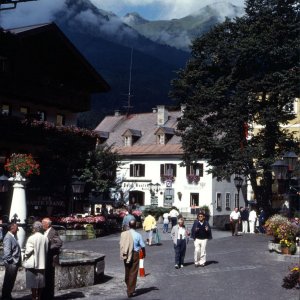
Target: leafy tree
x=99, y=171
x=242, y=72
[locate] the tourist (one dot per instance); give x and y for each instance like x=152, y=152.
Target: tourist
x=244, y=218
x=173, y=215
x=235, y=220
x=261, y=220
x=201, y=233
x=131, y=243
x=11, y=259
x=252, y=220
x=180, y=237
x=148, y=225
x=54, y=246
x=128, y=217
x=35, y=260
x=166, y=222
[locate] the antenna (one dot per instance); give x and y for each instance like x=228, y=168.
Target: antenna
x=128, y=106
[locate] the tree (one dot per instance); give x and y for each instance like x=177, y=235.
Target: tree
x=99, y=171
x=242, y=72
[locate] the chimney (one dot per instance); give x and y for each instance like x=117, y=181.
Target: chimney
x=117, y=113
x=182, y=108
x=162, y=115
x=154, y=110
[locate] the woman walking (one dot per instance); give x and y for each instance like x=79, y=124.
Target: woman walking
x=35, y=260
x=148, y=226
x=180, y=237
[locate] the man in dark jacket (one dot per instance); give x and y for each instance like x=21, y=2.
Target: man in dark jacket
x=201, y=232
x=54, y=245
x=12, y=260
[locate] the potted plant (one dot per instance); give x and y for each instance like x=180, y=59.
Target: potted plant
x=292, y=280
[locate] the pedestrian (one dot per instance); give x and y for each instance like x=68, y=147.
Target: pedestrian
x=180, y=237
x=201, y=233
x=235, y=220
x=11, y=259
x=128, y=217
x=149, y=225
x=244, y=218
x=131, y=243
x=261, y=220
x=252, y=220
x=35, y=260
x=156, y=236
x=166, y=222
x=54, y=246
x=173, y=215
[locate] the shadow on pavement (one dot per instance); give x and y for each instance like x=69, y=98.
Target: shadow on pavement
x=72, y=295
x=210, y=262
x=146, y=290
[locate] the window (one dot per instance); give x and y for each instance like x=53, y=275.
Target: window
x=219, y=201
x=168, y=169
x=194, y=199
x=161, y=139
x=137, y=170
x=236, y=198
x=24, y=110
x=195, y=169
x=228, y=201
x=60, y=120
x=42, y=115
x=5, y=109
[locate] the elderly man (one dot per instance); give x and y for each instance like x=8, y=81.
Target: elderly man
x=12, y=260
x=54, y=245
x=235, y=220
x=131, y=243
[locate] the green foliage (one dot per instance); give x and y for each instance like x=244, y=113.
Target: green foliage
x=99, y=171
x=155, y=211
x=241, y=73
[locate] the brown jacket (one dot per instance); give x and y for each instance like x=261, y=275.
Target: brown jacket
x=126, y=246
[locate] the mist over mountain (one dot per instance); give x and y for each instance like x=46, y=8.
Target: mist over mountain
x=179, y=33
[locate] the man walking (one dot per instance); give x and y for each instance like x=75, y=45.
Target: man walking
x=12, y=260
x=173, y=215
x=244, y=218
x=54, y=245
x=235, y=220
x=128, y=217
x=201, y=232
x=131, y=243
x=252, y=220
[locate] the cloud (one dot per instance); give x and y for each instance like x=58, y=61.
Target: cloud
x=29, y=13
x=165, y=9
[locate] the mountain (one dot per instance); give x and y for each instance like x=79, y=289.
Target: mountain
x=107, y=41
x=179, y=33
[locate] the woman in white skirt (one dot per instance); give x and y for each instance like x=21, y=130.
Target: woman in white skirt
x=35, y=260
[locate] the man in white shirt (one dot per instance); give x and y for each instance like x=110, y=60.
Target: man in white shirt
x=173, y=215
x=235, y=220
x=252, y=220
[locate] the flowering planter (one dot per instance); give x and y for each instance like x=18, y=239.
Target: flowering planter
x=285, y=251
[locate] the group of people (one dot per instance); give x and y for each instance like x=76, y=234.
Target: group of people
x=132, y=245
x=248, y=219
x=41, y=253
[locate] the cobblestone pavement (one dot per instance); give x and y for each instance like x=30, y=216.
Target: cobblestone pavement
x=237, y=268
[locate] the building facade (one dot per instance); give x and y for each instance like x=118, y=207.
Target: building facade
x=152, y=172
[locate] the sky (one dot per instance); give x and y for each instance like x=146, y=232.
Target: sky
x=41, y=11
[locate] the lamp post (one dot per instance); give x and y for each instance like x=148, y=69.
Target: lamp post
x=238, y=182
x=77, y=189
x=283, y=170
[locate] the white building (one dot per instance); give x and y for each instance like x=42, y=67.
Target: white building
x=151, y=173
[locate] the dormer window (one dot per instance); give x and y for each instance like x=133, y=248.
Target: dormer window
x=164, y=134
x=131, y=136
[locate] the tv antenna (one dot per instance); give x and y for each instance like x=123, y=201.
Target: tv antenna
x=129, y=95
x=11, y=4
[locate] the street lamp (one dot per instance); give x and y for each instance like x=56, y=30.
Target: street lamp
x=238, y=182
x=283, y=170
x=77, y=189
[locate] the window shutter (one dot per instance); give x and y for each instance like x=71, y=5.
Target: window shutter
x=142, y=171
x=162, y=169
x=131, y=171
x=187, y=169
x=174, y=169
